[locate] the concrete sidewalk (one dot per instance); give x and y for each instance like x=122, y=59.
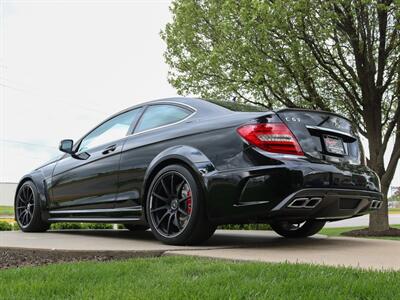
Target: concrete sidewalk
x=263, y=246
x=350, y=252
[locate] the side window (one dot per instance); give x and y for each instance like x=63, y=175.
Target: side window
x=114, y=129
x=161, y=114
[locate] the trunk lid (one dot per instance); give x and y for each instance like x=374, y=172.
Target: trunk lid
x=323, y=135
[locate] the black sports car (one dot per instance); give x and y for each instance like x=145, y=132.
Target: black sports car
x=183, y=166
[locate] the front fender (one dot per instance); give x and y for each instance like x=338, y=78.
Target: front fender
x=38, y=178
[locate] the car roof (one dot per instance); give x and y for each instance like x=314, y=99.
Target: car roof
x=201, y=106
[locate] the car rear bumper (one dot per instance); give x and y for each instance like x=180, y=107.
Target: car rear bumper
x=264, y=193
x=326, y=204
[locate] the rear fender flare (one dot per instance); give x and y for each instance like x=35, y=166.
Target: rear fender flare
x=198, y=163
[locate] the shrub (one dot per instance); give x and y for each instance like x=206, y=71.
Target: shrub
x=4, y=226
x=245, y=227
x=99, y=226
x=59, y=226
x=69, y=226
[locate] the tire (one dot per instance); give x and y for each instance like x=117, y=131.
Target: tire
x=27, y=209
x=133, y=227
x=186, y=224
x=289, y=230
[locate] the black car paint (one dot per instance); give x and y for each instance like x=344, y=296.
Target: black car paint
x=240, y=183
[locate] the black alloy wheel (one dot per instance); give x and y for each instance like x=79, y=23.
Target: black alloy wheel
x=175, y=209
x=24, y=205
x=171, y=204
x=27, y=209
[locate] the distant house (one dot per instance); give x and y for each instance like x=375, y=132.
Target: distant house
x=7, y=193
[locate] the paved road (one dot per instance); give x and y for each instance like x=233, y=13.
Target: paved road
x=237, y=245
x=362, y=221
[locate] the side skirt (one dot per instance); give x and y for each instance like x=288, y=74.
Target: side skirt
x=96, y=211
x=95, y=220
x=111, y=215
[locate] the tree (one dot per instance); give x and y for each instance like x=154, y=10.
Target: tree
x=396, y=195
x=334, y=55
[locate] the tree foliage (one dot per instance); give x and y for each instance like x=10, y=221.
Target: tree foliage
x=236, y=106
x=396, y=195
x=335, y=55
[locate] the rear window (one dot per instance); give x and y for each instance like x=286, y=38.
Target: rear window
x=160, y=115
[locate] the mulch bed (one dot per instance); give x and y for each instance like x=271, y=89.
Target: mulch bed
x=16, y=257
x=392, y=232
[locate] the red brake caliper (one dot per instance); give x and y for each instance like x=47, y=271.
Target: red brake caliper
x=189, y=202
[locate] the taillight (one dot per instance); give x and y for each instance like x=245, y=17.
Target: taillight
x=271, y=137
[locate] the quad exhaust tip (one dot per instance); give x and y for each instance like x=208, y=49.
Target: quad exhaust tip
x=376, y=204
x=305, y=202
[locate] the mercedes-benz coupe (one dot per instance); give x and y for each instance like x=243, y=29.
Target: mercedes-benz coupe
x=183, y=166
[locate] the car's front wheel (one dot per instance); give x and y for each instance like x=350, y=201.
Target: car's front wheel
x=27, y=209
x=175, y=208
x=297, y=230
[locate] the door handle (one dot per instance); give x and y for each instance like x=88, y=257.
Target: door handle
x=110, y=149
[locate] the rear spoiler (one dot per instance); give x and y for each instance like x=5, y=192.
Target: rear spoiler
x=313, y=110
x=344, y=135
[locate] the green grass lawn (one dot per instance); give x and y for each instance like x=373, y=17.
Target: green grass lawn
x=394, y=210
x=6, y=210
x=338, y=231
x=195, y=278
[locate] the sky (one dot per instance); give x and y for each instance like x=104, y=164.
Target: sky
x=67, y=65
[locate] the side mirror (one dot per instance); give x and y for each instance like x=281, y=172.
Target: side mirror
x=66, y=146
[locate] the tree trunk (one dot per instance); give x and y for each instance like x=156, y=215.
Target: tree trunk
x=379, y=220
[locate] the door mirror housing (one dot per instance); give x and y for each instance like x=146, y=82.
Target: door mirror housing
x=67, y=146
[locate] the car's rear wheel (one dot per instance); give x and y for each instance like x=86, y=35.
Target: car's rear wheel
x=27, y=209
x=297, y=230
x=175, y=208
x=133, y=227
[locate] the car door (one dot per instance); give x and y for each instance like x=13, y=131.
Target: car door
x=88, y=179
x=151, y=136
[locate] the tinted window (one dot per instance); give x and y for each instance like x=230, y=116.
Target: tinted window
x=161, y=114
x=114, y=129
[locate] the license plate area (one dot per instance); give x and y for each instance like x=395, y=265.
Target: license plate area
x=333, y=144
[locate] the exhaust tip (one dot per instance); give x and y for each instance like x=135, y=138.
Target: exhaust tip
x=305, y=202
x=313, y=202
x=376, y=204
x=373, y=204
